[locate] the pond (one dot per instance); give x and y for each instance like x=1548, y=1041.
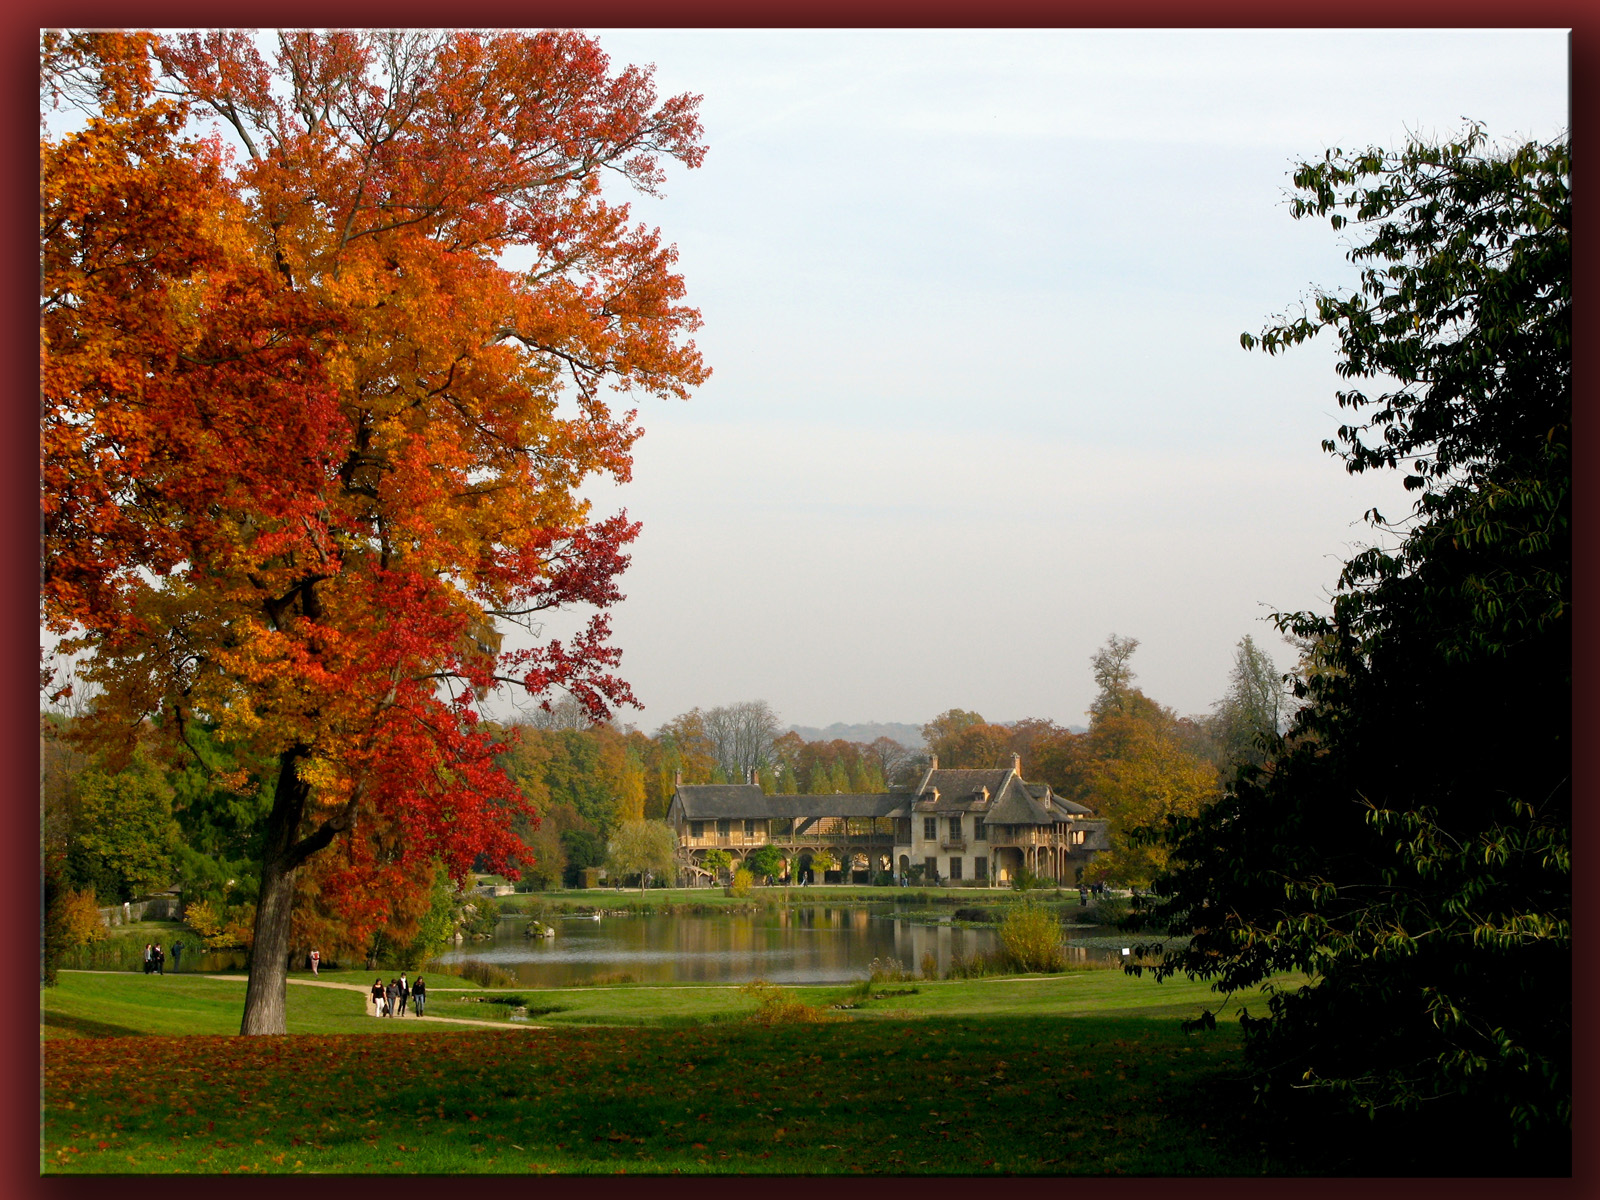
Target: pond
x=816, y=944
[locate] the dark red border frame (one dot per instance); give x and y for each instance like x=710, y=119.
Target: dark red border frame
x=18, y=531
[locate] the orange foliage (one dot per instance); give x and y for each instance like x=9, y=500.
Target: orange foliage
x=304, y=437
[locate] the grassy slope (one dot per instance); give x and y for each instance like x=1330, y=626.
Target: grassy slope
x=123, y=1004
x=1086, y=1072
x=1030, y=1095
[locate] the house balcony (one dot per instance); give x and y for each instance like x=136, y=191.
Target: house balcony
x=1031, y=837
x=784, y=840
x=725, y=839
x=953, y=845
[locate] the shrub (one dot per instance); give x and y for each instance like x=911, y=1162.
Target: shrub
x=888, y=970
x=221, y=931
x=976, y=965
x=930, y=965
x=1025, y=880
x=1109, y=910
x=79, y=918
x=477, y=971
x=742, y=880
x=1030, y=939
x=776, y=1006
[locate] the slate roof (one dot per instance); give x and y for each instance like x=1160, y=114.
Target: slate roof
x=1042, y=794
x=720, y=801
x=1010, y=801
x=733, y=801
x=960, y=789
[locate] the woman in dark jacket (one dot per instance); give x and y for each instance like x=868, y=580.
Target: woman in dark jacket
x=377, y=997
x=419, y=994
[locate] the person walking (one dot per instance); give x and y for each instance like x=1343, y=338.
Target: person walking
x=177, y=955
x=160, y=960
x=392, y=995
x=149, y=957
x=377, y=997
x=405, y=993
x=419, y=996
x=316, y=961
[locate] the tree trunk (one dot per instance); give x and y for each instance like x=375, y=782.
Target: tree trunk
x=264, y=999
x=266, y=995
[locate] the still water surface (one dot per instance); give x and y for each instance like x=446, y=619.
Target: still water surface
x=820, y=944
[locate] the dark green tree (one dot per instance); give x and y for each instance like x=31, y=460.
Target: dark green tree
x=124, y=841
x=765, y=862
x=583, y=849
x=1408, y=843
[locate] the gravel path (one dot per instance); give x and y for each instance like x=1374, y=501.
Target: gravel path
x=366, y=992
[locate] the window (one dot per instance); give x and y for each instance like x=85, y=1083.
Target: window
x=955, y=866
x=902, y=830
x=723, y=827
x=932, y=865
x=930, y=830
x=980, y=868
x=979, y=832
x=955, y=833
x=1079, y=836
x=697, y=829
x=749, y=828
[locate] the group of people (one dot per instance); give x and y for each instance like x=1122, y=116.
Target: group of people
x=1085, y=890
x=155, y=958
x=391, y=1000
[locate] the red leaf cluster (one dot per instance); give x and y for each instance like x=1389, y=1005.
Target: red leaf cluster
x=305, y=438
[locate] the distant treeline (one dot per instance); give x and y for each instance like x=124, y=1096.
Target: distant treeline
x=121, y=827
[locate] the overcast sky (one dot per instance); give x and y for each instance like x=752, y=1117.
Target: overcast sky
x=973, y=302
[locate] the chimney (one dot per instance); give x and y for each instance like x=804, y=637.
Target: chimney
x=752, y=780
x=1016, y=765
x=677, y=779
x=933, y=764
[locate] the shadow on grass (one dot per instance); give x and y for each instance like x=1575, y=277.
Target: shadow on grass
x=84, y=1027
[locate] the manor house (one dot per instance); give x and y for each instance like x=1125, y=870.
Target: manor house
x=982, y=827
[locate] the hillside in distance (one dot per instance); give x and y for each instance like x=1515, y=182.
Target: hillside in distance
x=909, y=736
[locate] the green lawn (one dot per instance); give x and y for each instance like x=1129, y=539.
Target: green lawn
x=1107, y=993
x=128, y=1004
x=1087, y=1072
x=1029, y=1095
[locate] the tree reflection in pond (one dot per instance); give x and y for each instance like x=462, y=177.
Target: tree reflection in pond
x=816, y=944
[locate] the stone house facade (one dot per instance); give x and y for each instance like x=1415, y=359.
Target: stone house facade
x=966, y=826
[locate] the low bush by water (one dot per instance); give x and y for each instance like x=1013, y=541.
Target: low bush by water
x=1030, y=940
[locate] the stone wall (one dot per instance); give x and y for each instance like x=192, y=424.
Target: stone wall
x=152, y=908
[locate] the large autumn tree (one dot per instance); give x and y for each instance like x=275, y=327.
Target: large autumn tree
x=331, y=334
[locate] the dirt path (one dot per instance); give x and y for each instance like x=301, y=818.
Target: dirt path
x=366, y=994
